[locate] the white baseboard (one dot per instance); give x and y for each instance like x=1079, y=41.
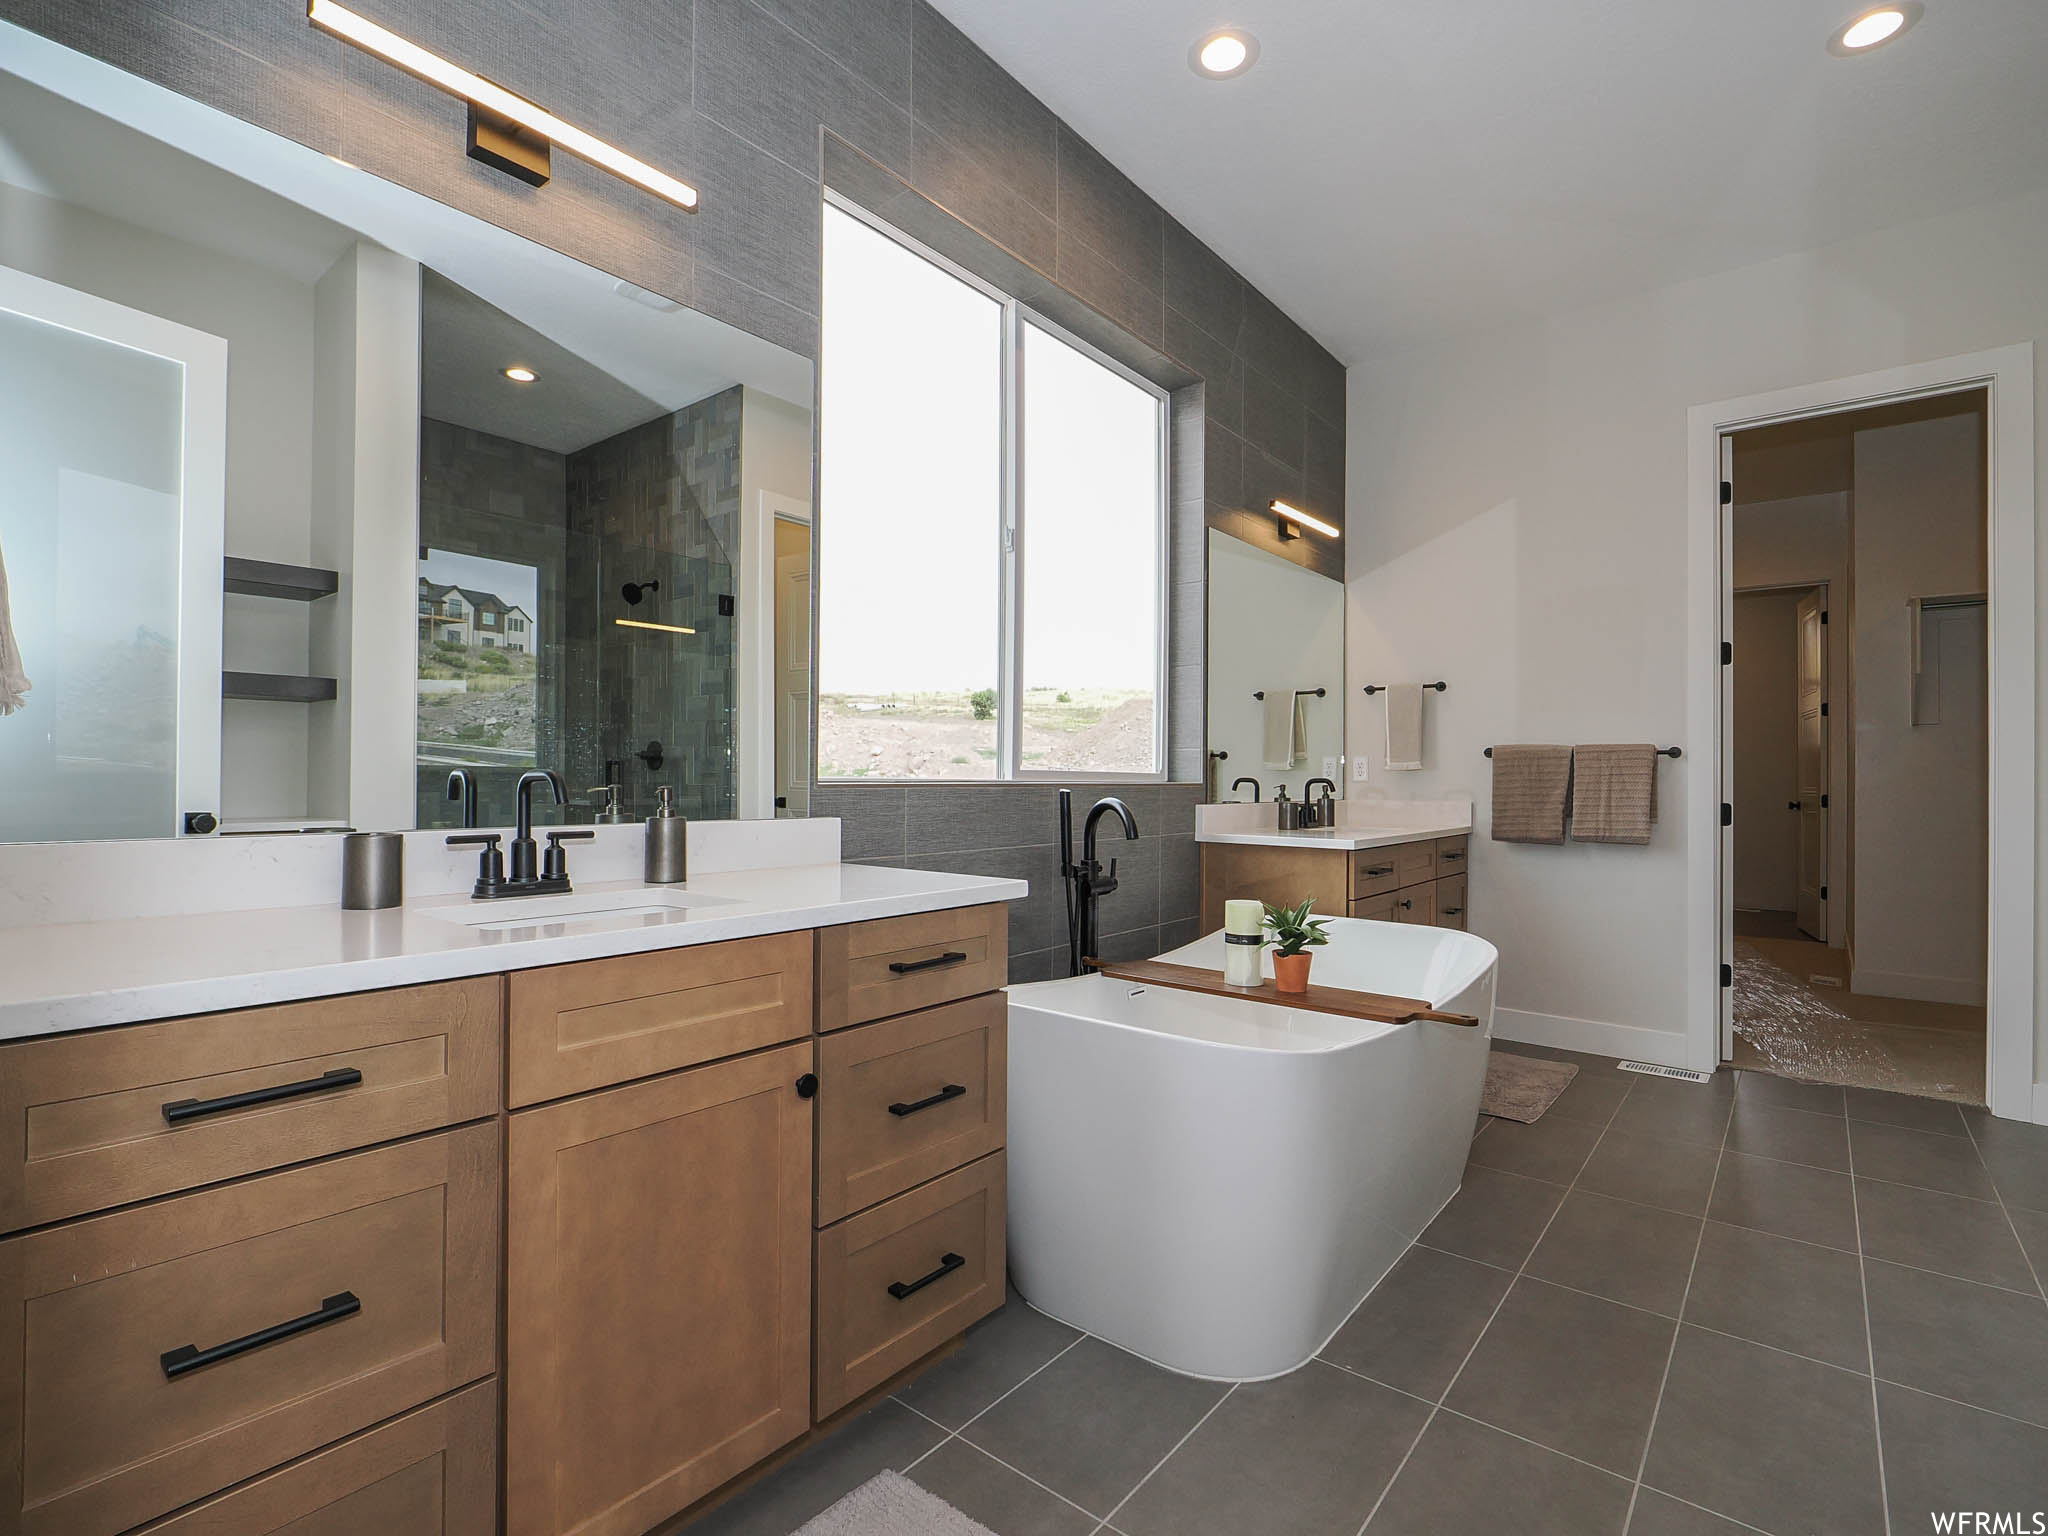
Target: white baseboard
x=2041, y=1103
x=1922, y=989
x=1625, y=1042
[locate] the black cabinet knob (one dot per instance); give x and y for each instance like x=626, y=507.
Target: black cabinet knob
x=807, y=1086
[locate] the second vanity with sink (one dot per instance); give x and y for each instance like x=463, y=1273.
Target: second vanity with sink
x=311, y=1211
x=1391, y=860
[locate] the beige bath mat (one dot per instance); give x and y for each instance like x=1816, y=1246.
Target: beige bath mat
x=889, y=1504
x=1523, y=1087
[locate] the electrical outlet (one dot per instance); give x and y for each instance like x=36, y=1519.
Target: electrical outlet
x=1329, y=768
x=1358, y=768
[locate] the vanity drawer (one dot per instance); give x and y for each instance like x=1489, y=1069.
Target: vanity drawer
x=1450, y=901
x=1415, y=904
x=1374, y=871
x=1451, y=854
x=898, y=1281
x=894, y=964
x=99, y=1119
x=384, y=1264
x=1415, y=861
x=1379, y=909
x=600, y=1022
x=433, y=1472
x=908, y=1099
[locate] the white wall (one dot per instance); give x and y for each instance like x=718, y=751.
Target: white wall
x=1805, y=539
x=1274, y=625
x=775, y=462
x=1921, y=793
x=1519, y=506
x=1766, y=685
x=266, y=318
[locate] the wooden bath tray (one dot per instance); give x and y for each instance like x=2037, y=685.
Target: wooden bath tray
x=1376, y=1006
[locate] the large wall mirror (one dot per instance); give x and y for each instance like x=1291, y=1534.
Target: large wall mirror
x=1276, y=674
x=316, y=495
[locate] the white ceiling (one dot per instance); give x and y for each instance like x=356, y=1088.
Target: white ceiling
x=1396, y=170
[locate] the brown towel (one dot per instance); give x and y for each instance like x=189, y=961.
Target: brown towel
x=1614, y=793
x=1530, y=785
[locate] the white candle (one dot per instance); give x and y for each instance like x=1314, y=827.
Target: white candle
x=1244, y=933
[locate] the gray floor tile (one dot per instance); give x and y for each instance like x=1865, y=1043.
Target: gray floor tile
x=1496, y=1217
x=1947, y=1233
x=983, y=1489
x=1774, y=1291
x=1571, y=1372
x=2018, y=1161
x=1676, y=1176
x=1969, y=1342
x=1917, y=1158
x=1669, y=1111
x=1763, y=1437
x=1552, y=1148
x=1626, y=1252
x=1937, y=1116
x=888, y=1437
x=1306, y=1455
x=1464, y=1477
x=2033, y=1230
x=1788, y=1093
x=1811, y=1204
x=998, y=1352
x=1659, y=1514
x=1093, y=1423
x=1789, y=1135
x=1421, y=1320
x=1943, y=1456
x=1591, y=1098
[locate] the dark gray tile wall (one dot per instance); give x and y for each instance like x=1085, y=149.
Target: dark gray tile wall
x=731, y=95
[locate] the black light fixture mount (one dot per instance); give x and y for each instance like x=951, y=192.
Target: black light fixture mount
x=634, y=591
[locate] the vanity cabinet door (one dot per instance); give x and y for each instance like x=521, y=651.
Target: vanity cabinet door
x=1415, y=904
x=1451, y=854
x=600, y=1022
x=894, y=964
x=1378, y=909
x=1415, y=861
x=1450, y=902
x=1374, y=872
x=658, y=1293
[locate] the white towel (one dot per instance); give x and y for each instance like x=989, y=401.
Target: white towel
x=14, y=682
x=1286, y=730
x=1404, y=726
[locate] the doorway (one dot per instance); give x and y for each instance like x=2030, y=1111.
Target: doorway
x=792, y=670
x=1859, y=746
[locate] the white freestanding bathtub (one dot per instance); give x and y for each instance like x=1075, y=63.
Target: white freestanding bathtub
x=1215, y=1183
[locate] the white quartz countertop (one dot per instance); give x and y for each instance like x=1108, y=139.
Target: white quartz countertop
x=83, y=975
x=1345, y=838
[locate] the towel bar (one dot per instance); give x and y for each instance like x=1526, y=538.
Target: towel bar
x=1373, y=688
x=1318, y=692
x=1661, y=752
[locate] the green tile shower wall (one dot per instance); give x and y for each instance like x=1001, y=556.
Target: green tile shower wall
x=731, y=94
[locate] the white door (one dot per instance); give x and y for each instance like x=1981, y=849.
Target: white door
x=1813, y=765
x=793, y=685
x=113, y=455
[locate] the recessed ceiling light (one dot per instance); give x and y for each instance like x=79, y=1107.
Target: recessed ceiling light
x=1223, y=54
x=520, y=375
x=1873, y=27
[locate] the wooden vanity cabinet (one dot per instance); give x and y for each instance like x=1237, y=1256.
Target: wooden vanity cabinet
x=1411, y=882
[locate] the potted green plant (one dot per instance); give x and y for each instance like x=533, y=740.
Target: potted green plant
x=1294, y=933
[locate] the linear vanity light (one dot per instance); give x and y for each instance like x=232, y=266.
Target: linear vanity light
x=669, y=629
x=1293, y=520
x=505, y=130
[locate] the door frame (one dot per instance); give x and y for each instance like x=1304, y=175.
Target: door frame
x=2006, y=374
x=754, y=689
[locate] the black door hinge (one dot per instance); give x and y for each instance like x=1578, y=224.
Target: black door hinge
x=1823, y=802
x=1823, y=893
x=1823, y=711
x=1727, y=814
x=1727, y=492
x=1823, y=615
x=1727, y=975
x=1727, y=652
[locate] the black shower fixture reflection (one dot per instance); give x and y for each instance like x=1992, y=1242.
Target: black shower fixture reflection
x=633, y=591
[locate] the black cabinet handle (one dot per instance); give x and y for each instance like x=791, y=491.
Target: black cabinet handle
x=905, y=967
x=1452, y=911
x=178, y=1111
x=190, y=1357
x=950, y=1091
x=947, y=1265
x=1447, y=857
x=1375, y=871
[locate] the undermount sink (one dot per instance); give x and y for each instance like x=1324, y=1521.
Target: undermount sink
x=645, y=905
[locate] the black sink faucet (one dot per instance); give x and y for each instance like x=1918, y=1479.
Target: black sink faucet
x=462, y=786
x=525, y=853
x=1243, y=779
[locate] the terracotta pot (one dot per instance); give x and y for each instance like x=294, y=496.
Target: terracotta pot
x=1290, y=972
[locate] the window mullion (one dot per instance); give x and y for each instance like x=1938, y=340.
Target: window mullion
x=1009, y=746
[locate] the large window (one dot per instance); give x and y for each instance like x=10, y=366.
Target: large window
x=991, y=537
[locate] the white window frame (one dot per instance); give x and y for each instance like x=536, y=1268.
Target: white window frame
x=1010, y=545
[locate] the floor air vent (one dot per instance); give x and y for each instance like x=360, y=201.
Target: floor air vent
x=1683, y=1074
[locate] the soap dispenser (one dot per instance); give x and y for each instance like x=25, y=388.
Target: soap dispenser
x=667, y=841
